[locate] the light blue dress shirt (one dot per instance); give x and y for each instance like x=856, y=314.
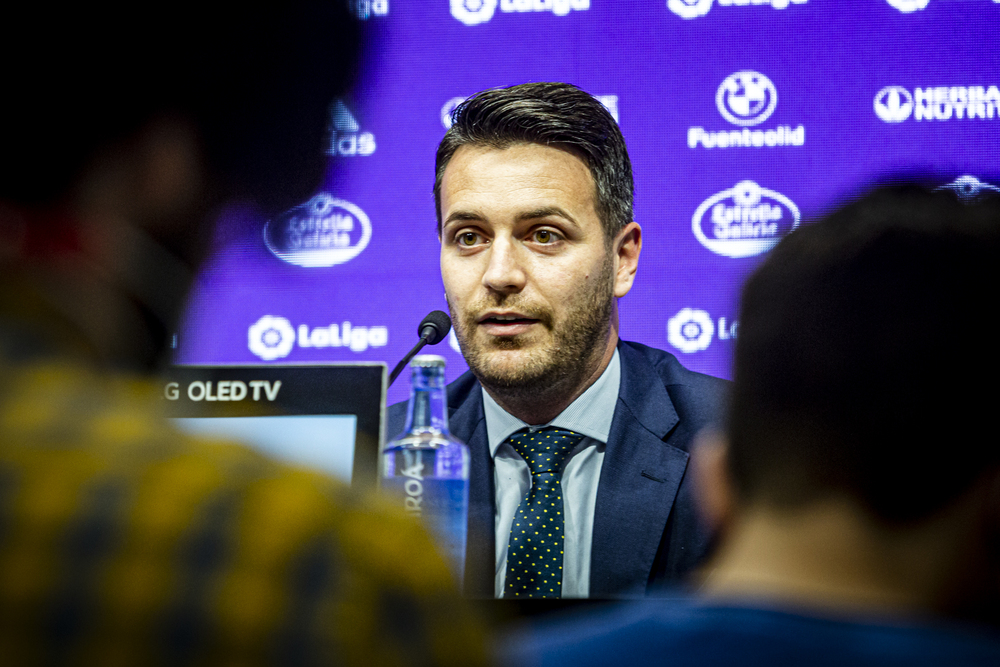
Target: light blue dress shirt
x=589, y=415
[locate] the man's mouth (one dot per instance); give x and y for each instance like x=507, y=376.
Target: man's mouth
x=506, y=324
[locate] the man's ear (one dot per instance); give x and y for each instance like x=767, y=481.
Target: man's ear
x=714, y=490
x=627, y=246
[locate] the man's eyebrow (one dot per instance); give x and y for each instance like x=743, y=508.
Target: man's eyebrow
x=463, y=216
x=546, y=212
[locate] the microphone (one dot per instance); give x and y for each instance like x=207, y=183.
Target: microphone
x=432, y=330
x=435, y=327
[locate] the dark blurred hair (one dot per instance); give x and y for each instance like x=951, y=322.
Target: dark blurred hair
x=863, y=367
x=551, y=114
x=255, y=81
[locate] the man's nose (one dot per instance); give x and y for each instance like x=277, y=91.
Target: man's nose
x=504, y=272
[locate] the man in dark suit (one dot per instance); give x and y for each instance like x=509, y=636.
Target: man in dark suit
x=579, y=441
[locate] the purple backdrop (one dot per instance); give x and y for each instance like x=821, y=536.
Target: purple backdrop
x=742, y=117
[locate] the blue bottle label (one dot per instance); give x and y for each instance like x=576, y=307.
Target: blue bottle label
x=440, y=503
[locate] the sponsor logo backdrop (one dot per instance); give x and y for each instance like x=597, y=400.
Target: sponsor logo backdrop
x=744, y=119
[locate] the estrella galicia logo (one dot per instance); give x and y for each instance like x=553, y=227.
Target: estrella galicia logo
x=907, y=6
x=271, y=337
x=893, y=104
x=473, y=12
x=324, y=231
x=690, y=330
x=745, y=220
x=746, y=98
x=970, y=189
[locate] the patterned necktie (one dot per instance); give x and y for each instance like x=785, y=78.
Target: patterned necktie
x=535, y=546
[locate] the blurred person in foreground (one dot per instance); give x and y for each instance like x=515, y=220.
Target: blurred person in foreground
x=121, y=541
x=857, y=490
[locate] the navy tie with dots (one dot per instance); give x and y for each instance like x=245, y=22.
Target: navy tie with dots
x=535, y=547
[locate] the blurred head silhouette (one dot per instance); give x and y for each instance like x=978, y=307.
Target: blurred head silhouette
x=858, y=470
x=123, y=129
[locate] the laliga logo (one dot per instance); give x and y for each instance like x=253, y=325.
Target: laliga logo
x=322, y=232
x=692, y=9
x=473, y=12
x=893, y=104
x=692, y=329
x=969, y=189
x=907, y=6
x=746, y=98
x=752, y=222
x=271, y=337
x=689, y=9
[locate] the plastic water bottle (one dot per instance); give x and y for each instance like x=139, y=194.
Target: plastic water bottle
x=426, y=469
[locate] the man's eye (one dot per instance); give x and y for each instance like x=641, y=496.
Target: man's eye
x=468, y=239
x=545, y=236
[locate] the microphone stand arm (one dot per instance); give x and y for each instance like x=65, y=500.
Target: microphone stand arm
x=409, y=355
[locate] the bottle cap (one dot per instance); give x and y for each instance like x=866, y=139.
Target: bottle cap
x=427, y=361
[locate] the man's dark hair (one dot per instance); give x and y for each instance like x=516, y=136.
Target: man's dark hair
x=255, y=82
x=863, y=368
x=550, y=114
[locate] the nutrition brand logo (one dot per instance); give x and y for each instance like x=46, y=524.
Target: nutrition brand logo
x=346, y=137
x=692, y=330
x=692, y=9
x=746, y=99
x=271, y=337
x=970, y=189
x=324, y=231
x=474, y=12
x=744, y=221
x=895, y=104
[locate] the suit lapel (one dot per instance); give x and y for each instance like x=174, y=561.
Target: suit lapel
x=467, y=421
x=639, y=481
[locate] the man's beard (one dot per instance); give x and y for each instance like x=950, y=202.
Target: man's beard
x=563, y=362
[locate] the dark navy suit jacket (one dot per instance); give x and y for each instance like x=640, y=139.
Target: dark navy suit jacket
x=646, y=531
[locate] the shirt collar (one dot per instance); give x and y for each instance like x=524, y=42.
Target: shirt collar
x=590, y=414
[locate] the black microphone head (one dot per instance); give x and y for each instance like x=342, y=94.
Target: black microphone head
x=435, y=327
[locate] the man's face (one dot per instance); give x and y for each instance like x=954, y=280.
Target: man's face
x=529, y=278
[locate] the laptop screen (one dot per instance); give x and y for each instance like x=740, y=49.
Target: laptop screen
x=326, y=417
